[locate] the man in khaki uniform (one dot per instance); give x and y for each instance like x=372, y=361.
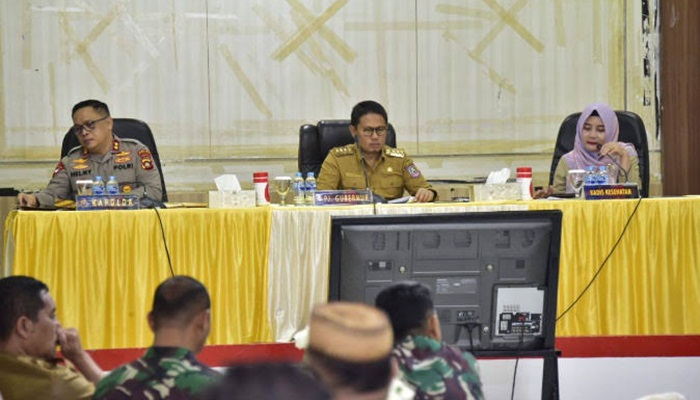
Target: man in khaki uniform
x=101, y=153
x=29, y=334
x=388, y=171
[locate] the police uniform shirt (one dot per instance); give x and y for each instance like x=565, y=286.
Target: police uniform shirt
x=129, y=161
x=394, y=172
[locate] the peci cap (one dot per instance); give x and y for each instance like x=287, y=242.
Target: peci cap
x=352, y=332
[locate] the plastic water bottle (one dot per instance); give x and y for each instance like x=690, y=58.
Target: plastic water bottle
x=112, y=186
x=298, y=188
x=591, y=178
x=602, y=175
x=310, y=189
x=98, y=186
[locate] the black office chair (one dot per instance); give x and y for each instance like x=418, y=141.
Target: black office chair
x=315, y=141
x=125, y=128
x=632, y=131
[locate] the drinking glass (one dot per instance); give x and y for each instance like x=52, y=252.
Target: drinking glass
x=576, y=179
x=282, y=185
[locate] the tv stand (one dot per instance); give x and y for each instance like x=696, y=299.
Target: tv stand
x=550, y=369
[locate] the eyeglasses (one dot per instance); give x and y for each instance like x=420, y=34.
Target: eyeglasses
x=88, y=126
x=380, y=131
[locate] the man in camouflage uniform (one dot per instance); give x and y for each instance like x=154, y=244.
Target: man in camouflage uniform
x=101, y=153
x=370, y=162
x=434, y=369
x=180, y=320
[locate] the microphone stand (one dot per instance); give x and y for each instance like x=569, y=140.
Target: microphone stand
x=599, y=146
x=364, y=171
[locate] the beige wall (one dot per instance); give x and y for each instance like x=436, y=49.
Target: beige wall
x=470, y=86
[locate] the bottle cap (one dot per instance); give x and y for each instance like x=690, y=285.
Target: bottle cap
x=259, y=176
x=524, y=172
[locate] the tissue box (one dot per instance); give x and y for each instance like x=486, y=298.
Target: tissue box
x=244, y=198
x=497, y=192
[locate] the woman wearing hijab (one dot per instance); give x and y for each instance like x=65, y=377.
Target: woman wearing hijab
x=596, y=143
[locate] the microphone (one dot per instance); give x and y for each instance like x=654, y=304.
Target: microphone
x=624, y=172
x=364, y=171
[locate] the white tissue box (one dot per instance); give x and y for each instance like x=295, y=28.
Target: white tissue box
x=497, y=192
x=244, y=198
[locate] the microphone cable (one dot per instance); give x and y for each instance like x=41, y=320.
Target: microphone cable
x=603, y=264
x=165, y=242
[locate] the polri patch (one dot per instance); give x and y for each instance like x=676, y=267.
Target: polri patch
x=413, y=171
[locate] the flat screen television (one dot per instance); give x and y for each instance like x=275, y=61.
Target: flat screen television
x=493, y=275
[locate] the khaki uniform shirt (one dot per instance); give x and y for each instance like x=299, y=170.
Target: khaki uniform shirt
x=24, y=377
x=394, y=172
x=130, y=162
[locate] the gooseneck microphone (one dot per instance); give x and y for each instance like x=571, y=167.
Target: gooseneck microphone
x=624, y=171
x=364, y=171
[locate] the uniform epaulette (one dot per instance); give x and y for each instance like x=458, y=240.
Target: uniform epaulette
x=74, y=149
x=130, y=140
x=391, y=152
x=344, y=150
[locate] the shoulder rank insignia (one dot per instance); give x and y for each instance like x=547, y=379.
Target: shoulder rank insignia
x=391, y=152
x=343, y=150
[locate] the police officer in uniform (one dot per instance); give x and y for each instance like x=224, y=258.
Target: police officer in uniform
x=100, y=153
x=369, y=163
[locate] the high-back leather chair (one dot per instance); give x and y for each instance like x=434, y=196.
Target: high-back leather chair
x=127, y=128
x=315, y=141
x=632, y=131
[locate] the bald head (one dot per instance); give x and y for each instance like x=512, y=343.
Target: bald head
x=177, y=301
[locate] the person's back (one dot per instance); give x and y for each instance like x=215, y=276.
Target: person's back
x=180, y=320
x=432, y=368
x=269, y=381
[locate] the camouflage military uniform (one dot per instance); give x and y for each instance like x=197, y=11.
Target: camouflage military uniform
x=130, y=162
x=437, y=371
x=394, y=171
x=163, y=372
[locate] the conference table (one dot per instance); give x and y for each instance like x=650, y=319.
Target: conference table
x=266, y=267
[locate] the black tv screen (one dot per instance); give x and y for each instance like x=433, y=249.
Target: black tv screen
x=493, y=275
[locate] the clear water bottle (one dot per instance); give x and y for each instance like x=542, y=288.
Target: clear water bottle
x=112, y=186
x=591, y=178
x=602, y=175
x=298, y=188
x=98, y=186
x=310, y=189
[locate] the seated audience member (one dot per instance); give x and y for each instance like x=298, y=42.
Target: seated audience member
x=180, y=321
x=101, y=153
x=434, y=369
x=597, y=131
x=370, y=163
x=349, y=350
x=29, y=333
x=271, y=381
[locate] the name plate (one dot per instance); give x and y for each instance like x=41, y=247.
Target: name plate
x=611, y=191
x=117, y=202
x=342, y=197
